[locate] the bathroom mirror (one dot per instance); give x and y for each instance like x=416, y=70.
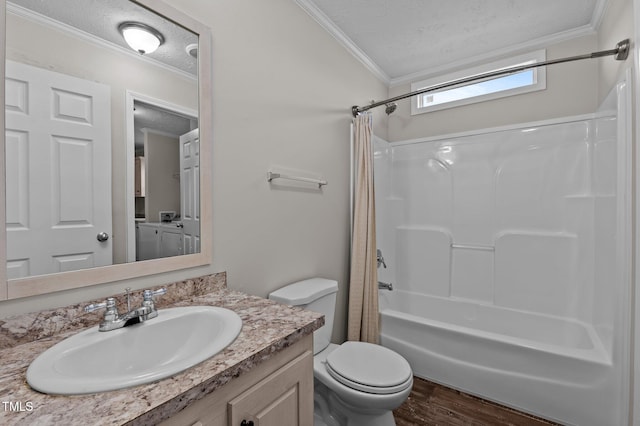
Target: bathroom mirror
x=103, y=109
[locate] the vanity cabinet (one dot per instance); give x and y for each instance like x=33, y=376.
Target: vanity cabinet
x=155, y=240
x=171, y=241
x=274, y=400
x=278, y=391
x=147, y=242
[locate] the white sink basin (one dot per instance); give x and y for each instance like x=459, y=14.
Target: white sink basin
x=93, y=361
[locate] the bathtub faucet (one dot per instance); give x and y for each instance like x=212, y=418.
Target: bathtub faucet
x=385, y=286
x=380, y=259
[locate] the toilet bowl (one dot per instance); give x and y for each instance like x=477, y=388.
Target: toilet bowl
x=355, y=383
x=366, y=387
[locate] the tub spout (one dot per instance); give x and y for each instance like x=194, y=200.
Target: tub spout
x=385, y=286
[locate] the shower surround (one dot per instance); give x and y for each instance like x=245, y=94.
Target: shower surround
x=509, y=253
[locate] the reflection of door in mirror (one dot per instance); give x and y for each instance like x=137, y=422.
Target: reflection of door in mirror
x=81, y=39
x=190, y=190
x=58, y=179
x=171, y=179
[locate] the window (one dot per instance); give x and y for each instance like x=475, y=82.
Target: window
x=479, y=91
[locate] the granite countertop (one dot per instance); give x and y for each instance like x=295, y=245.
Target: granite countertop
x=267, y=328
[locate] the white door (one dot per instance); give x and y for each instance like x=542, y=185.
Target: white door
x=58, y=176
x=190, y=190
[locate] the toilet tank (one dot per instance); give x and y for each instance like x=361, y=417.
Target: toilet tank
x=315, y=294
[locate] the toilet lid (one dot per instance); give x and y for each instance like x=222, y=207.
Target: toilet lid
x=369, y=368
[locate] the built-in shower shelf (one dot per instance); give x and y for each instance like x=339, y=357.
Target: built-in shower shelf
x=535, y=233
x=423, y=228
x=588, y=196
x=473, y=247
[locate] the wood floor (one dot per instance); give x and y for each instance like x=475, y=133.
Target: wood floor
x=432, y=404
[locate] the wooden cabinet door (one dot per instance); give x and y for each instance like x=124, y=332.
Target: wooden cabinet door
x=171, y=242
x=284, y=398
x=148, y=242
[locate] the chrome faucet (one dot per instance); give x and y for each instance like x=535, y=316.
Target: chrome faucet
x=380, y=259
x=385, y=286
x=148, y=303
x=112, y=320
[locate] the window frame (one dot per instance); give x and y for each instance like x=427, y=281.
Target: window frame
x=539, y=82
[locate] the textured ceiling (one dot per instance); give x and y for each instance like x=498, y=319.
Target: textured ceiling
x=401, y=37
x=404, y=37
x=150, y=117
x=102, y=17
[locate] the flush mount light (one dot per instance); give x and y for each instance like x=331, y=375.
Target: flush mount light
x=140, y=37
x=192, y=50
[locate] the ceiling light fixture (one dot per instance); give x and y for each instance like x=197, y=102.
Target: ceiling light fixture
x=140, y=37
x=192, y=50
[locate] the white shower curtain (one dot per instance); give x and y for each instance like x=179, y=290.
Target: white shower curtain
x=363, y=324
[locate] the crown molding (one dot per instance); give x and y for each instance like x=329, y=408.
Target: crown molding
x=539, y=43
x=83, y=35
x=321, y=18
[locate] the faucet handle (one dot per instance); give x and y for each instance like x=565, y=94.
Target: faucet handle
x=95, y=306
x=148, y=303
x=149, y=294
x=110, y=304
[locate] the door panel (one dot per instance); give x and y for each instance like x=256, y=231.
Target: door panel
x=190, y=190
x=58, y=155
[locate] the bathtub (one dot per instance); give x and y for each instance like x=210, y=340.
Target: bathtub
x=552, y=367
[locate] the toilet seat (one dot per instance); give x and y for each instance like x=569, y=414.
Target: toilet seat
x=369, y=368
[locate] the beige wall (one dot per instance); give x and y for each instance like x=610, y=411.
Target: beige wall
x=283, y=89
x=162, y=161
x=569, y=92
x=41, y=46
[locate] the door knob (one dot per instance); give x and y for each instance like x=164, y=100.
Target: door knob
x=102, y=237
x=246, y=423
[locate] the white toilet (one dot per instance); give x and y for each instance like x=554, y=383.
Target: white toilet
x=356, y=383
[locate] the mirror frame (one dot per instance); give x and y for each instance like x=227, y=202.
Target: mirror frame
x=42, y=284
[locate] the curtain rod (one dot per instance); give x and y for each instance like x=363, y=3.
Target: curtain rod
x=621, y=53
